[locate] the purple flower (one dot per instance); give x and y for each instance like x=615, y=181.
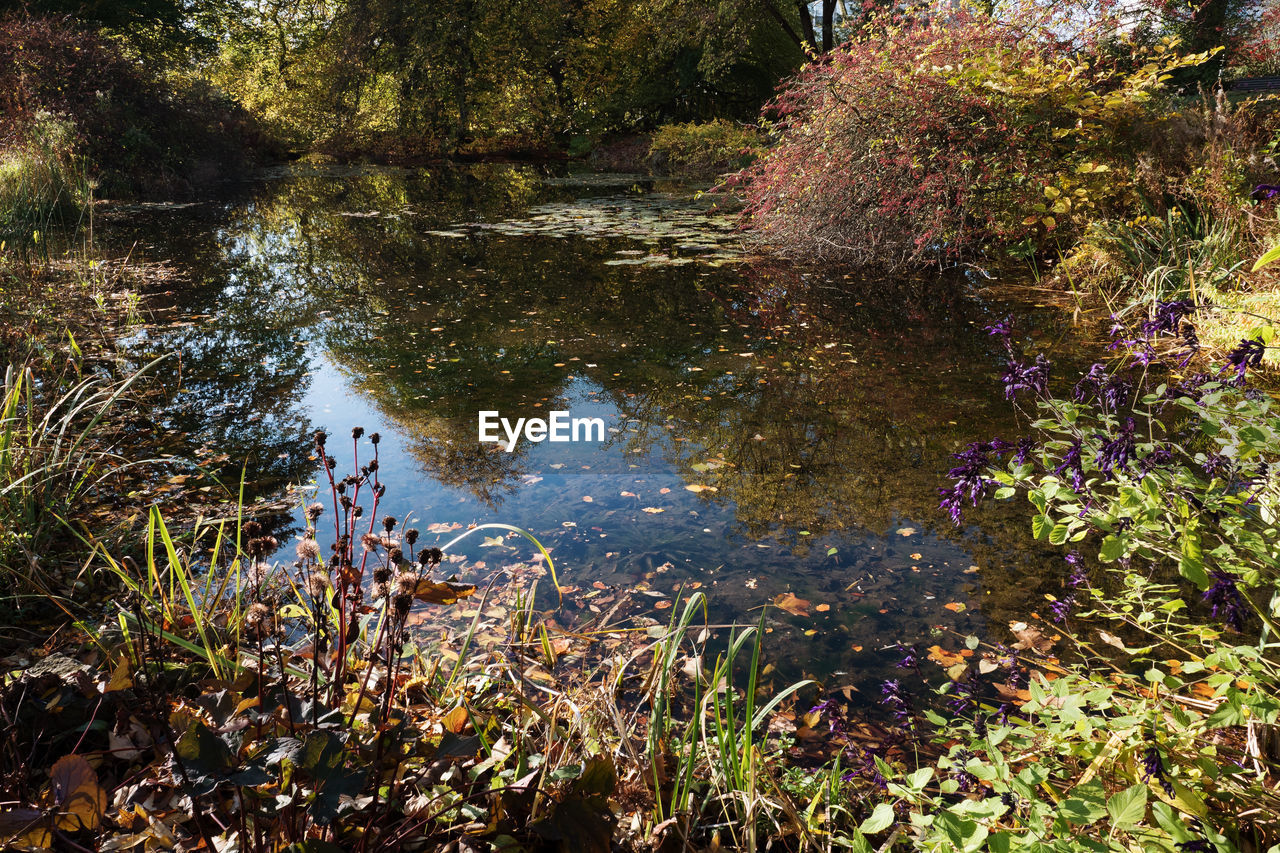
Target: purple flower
x=1116, y=454
x=1002, y=329
x=1225, y=601
x=898, y=703
x=1265, y=192
x=1248, y=354
x=1109, y=390
x=971, y=477
x=1153, y=768
x=1168, y=317
x=1072, y=465
x=1026, y=446
x=1027, y=377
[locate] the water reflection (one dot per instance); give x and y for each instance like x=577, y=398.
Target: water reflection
x=812, y=417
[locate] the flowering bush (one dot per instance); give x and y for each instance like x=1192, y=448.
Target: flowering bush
x=1153, y=736
x=933, y=139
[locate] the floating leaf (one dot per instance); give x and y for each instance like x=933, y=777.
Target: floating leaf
x=698, y=487
x=906, y=531
x=956, y=606
x=653, y=509
x=792, y=604
x=442, y=592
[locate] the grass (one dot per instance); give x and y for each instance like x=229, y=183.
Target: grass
x=52, y=459
x=44, y=187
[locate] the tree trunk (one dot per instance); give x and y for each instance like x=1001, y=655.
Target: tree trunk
x=806, y=24
x=828, y=24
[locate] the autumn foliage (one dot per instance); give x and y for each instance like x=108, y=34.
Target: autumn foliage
x=924, y=140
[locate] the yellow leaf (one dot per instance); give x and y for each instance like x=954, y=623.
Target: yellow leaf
x=653, y=509
x=121, y=678
x=1052, y=192
x=697, y=487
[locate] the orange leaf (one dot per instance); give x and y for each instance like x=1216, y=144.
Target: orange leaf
x=792, y=604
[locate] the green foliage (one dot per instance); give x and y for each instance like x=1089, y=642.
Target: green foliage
x=706, y=149
x=1151, y=258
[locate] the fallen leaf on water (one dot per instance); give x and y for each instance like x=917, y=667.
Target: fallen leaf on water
x=698, y=487
x=939, y=655
x=661, y=605
x=443, y=527
x=906, y=531
x=822, y=608
x=664, y=491
x=792, y=604
x=588, y=498
x=442, y=592
x=956, y=606
x=1111, y=640
x=628, y=494
x=917, y=557
x=490, y=541
x=653, y=509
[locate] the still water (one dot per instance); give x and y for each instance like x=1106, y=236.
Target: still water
x=769, y=430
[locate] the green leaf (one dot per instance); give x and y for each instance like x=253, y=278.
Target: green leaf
x=1112, y=549
x=1266, y=260
x=881, y=819
x=1128, y=807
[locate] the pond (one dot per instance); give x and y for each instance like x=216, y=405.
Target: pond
x=770, y=430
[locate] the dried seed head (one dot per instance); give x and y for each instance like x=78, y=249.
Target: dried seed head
x=370, y=542
x=406, y=583
x=320, y=438
x=402, y=604
x=381, y=590
x=258, y=618
x=252, y=530
x=356, y=432
x=380, y=489
x=411, y=535
x=374, y=438
x=381, y=574
x=395, y=555
x=430, y=556
x=308, y=549
x=388, y=523
x=318, y=586
x=373, y=465
x=315, y=510
x=357, y=512
x=261, y=546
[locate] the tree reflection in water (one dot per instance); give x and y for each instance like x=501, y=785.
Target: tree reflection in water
x=819, y=413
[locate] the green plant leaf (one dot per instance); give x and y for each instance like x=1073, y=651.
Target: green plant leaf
x=881, y=819
x=1128, y=807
